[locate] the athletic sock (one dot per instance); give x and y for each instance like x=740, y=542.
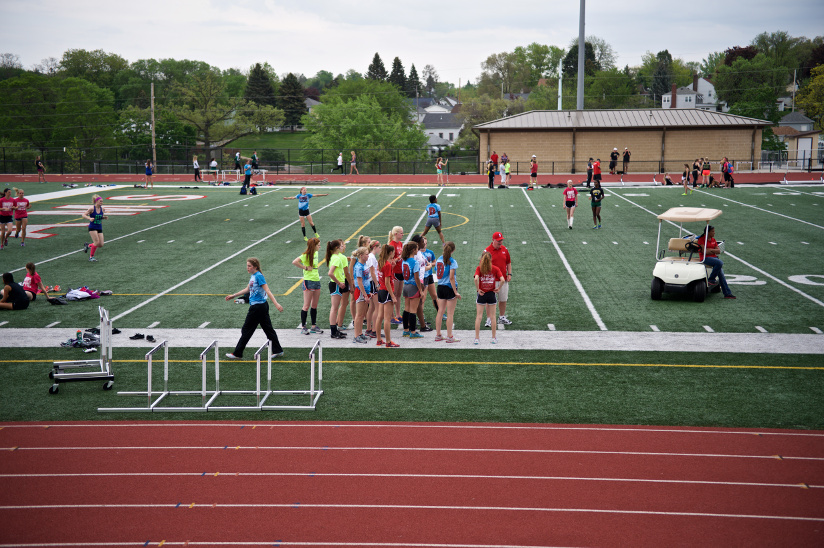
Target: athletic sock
x=303, y=318
x=405, y=320
x=571, y=220
x=303, y=229
x=435, y=302
x=334, y=329
x=315, y=230
x=313, y=314
x=413, y=322
x=92, y=249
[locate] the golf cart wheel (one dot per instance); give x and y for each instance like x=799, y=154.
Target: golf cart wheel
x=657, y=289
x=699, y=291
x=53, y=389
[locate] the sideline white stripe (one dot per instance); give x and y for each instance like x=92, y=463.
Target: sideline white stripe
x=230, y=257
x=426, y=426
x=402, y=476
x=109, y=241
x=412, y=449
x=597, y=317
x=760, y=209
x=207, y=505
x=745, y=263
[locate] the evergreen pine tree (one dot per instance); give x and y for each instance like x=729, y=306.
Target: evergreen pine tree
x=398, y=75
x=259, y=88
x=291, y=100
x=413, y=83
x=376, y=70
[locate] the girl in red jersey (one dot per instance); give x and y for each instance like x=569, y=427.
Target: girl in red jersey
x=386, y=295
x=21, y=216
x=6, y=216
x=32, y=284
x=488, y=279
x=396, y=241
x=570, y=202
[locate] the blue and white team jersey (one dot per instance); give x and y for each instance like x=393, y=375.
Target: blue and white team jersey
x=444, y=269
x=432, y=210
x=303, y=200
x=256, y=293
x=410, y=269
x=360, y=271
x=430, y=258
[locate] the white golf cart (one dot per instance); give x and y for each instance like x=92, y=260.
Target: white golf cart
x=679, y=268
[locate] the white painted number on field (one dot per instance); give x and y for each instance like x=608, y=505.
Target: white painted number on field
x=739, y=279
x=158, y=198
x=805, y=279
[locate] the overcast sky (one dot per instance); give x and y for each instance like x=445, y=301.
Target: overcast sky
x=454, y=37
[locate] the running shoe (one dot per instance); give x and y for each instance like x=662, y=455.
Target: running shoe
x=305, y=239
x=315, y=329
x=599, y=226
x=595, y=227
x=730, y=296
x=419, y=336
x=488, y=322
x=304, y=331
x=452, y=340
x=426, y=328
x=232, y=356
x=338, y=335
x=360, y=339
x=494, y=340
x=86, y=247
x=438, y=338
x=504, y=320
x=22, y=244
x=278, y=354
x=406, y=333
x=371, y=334
x=392, y=345
x=684, y=194
x=92, y=260
x=379, y=343
x=317, y=235
x=351, y=325
x=444, y=317
x=477, y=341
x=397, y=320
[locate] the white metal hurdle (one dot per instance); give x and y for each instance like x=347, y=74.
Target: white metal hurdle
x=155, y=397
x=102, y=366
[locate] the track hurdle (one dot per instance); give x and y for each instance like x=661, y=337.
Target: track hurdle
x=149, y=393
x=103, y=365
x=313, y=393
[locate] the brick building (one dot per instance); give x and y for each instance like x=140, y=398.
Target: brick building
x=659, y=139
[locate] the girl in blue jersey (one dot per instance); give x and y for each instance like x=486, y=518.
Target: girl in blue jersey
x=412, y=290
x=303, y=211
x=149, y=172
x=363, y=293
x=446, y=268
x=258, y=314
x=95, y=215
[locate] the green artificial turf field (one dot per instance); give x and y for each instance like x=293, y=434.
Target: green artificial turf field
x=172, y=254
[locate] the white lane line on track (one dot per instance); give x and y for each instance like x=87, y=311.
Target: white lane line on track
x=414, y=228
x=761, y=209
x=388, y=475
x=597, y=317
x=414, y=449
x=215, y=265
x=407, y=507
x=109, y=241
x=739, y=259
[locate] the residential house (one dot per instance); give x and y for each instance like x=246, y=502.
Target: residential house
x=802, y=140
x=700, y=95
x=444, y=125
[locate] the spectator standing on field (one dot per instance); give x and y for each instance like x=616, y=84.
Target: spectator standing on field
x=490, y=171
x=196, y=166
x=41, y=170
x=213, y=168
x=502, y=260
x=627, y=154
x=494, y=160
x=508, y=173
x=589, y=172
x=533, y=172
x=353, y=164
x=613, y=160
x=596, y=170
x=149, y=172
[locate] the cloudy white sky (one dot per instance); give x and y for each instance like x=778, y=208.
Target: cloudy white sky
x=454, y=37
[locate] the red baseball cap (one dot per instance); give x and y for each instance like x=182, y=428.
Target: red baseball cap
x=498, y=236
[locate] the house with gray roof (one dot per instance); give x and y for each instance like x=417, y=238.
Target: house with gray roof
x=444, y=125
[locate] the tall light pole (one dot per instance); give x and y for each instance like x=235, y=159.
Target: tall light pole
x=581, y=18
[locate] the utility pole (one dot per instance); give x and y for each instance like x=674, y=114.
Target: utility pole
x=154, y=149
x=794, y=71
x=560, y=84
x=580, y=103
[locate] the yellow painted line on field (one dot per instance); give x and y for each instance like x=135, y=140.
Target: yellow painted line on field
x=418, y=362
x=297, y=284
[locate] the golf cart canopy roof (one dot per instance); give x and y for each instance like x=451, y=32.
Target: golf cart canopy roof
x=689, y=214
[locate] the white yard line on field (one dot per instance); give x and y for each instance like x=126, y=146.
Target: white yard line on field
x=232, y=256
x=739, y=259
x=597, y=317
x=760, y=209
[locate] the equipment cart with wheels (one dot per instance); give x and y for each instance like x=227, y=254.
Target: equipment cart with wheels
x=88, y=370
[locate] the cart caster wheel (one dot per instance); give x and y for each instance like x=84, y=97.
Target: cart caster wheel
x=53, y=389
x=51, y=374
x=108, y=385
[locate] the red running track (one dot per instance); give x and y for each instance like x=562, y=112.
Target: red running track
x=386, y=484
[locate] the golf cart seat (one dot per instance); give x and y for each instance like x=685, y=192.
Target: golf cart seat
x=684, y=246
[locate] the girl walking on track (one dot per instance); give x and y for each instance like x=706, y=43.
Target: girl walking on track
x=488, y=279
x=446, y=268
x=570, y=202
x=258, y=314
x=308, y=262
x=21, y=216
x=149, y=172
x=338, y=285
x=303, y=210
x=386, y=295
x=353, y=164
x=95, y=215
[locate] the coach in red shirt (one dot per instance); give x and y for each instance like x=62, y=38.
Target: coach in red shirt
x=501, y=259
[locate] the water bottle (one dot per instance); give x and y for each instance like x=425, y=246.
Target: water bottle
x=79, y=335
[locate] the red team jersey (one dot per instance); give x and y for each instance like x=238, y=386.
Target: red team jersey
x=486, y=282
x=596, y=168
x=398, y=250
x=21, y=206
x=570, y=194
x=385, y=274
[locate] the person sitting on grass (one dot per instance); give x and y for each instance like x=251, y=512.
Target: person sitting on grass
x=14, y=296
x=32, y=284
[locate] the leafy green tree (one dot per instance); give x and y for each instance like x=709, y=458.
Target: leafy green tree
x=97, y=66
x=430, y=78
x=711, y=63
x=398, y=75
x=376, y=70
x=323, y=79
x=612, y=89
x=135, y=127
x=478, y=111
x=811, y=96
x=733, y=53
x=10, y=66
x=603, y=53
x=391, y=101
x=778, y=46
x=752, y=84
x=503, y=73
x=204, y=103
x=570, y=63
x=259, y=88
x=291, y=100
x=352, y=74
x=413, y=83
